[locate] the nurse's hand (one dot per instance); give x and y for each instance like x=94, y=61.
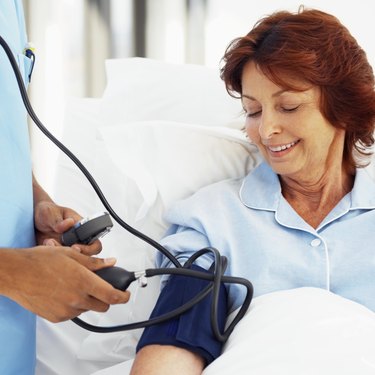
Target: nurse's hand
x=57, y=283
x=51, y=221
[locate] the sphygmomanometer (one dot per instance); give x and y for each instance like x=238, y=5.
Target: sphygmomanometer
x=89, y=229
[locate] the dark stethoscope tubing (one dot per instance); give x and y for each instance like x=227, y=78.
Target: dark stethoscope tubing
x=219, y=263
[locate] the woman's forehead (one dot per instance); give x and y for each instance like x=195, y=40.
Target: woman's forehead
x=254, y=79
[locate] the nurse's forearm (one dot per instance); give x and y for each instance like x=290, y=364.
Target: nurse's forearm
x=9, y=269
x=39, y=193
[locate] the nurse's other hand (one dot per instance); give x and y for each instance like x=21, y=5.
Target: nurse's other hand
x=57, y=283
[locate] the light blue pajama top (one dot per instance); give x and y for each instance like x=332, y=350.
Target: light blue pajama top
x=266, y=241
x=17, y=326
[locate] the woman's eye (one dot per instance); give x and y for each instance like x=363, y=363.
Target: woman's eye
x=290, y=109
x=253, y=114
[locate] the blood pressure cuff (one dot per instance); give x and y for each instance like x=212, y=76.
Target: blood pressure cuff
x=191, y=330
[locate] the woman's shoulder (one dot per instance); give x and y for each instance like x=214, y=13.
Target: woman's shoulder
x=226, y=189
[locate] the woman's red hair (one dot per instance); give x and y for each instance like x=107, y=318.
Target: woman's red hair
x=315, y=47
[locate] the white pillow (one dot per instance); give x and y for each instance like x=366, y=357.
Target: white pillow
x=173, y=160
x=82, y=117
x=146, y=89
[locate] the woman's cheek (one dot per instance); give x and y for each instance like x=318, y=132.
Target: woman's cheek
x=252, y=131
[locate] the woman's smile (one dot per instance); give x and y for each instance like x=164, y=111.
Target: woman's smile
x=281, y=150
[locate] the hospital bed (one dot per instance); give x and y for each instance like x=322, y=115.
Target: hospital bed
x=160, y=132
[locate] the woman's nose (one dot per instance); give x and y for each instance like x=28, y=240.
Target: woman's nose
x=269, y=125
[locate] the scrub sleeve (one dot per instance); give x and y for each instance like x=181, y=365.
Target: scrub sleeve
x=17, y=325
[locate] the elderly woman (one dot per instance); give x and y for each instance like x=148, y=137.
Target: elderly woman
x=304, y=215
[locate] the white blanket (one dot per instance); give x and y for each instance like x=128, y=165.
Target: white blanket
x=301, y=331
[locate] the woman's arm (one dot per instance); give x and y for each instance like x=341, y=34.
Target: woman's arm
x=166, y=360
x=187, y=344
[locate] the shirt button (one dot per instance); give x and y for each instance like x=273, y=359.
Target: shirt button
x=315, y=242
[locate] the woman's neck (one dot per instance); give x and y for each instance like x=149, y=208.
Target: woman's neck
x=314, y=198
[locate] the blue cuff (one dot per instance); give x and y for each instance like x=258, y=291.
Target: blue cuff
x=191, y=330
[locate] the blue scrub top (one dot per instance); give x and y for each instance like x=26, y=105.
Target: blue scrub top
x=17, y=325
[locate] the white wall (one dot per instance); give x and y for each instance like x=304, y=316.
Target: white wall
x=227, y=20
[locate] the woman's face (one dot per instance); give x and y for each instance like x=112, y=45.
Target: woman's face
x=288, y=127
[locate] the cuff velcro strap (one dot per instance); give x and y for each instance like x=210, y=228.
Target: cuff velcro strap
x=191, y=330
